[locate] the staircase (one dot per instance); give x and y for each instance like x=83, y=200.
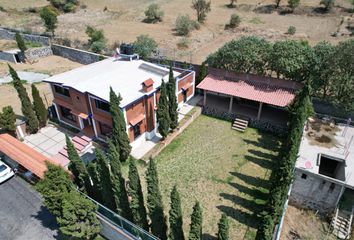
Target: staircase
x=240, y=124
x=341, y=224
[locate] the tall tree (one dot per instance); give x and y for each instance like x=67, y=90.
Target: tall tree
x=162, y=112
x=108, y=198
x=20, y=43
x=119, y=134
x=195, y=232
x=26, y=106
x=176, y=218
x=39, y=108
x=95, y=190
x=118, y=184
x=154, y=203
x=77, y=167
x=202, y=7
x=54, y=186
x=78, y=219
x=172, y=100
x=49, y=17
x=223, y=232
x=8, y=119
x=136, y=193
x=203, y=72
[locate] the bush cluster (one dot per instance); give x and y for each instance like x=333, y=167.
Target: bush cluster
x=65, y=5
x=153, y=13
x=97, y=41
x=184, y=25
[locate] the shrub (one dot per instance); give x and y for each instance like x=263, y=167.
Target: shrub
x=153, y=13
x=2, y=9
x=195, y=25
x=202, y=7
x=291, y=30
x=69, y=7
x=183, y=43
x=235, y=20
x=293, y=4
x=328, y=4
x=183, y=25
x=96, y=40
x=145, y=46
x=97, y=47
x=49, y=17
x=64, y=5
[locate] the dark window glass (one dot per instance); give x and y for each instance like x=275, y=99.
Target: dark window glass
x=105, y=129
x=331, y=187
x=61, y=90
x=136, y=130
x=65, y=113
x=102, y=105
x=2, y=168
x=304, y=176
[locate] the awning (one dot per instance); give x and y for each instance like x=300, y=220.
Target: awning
x=186, y=86
x=79, y=114
x=24, y=155
x=137, y=119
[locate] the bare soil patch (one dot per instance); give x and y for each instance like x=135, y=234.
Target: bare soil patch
x=322, y=133
x=7, y=44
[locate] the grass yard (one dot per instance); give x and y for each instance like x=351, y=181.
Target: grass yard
x=227, y=171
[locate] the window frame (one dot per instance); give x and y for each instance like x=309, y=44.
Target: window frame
x=66, y=113
x=137, y=130
x=98, y=104
x=102, y=125
x=61, y=90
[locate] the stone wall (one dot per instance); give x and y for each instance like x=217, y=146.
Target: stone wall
x=76, y=55
x=34, y=53
x=10, y=35
x=314, y=192
x=9, y=57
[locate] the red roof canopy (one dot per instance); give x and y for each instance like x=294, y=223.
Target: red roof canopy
x=277, y=92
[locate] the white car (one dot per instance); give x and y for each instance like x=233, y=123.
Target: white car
x=5, y=172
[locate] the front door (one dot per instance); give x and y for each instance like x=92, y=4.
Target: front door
x=184, y=92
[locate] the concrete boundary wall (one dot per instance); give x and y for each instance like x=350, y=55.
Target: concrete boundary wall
x=34, y=53
x=9, y=57
x=76, y=55
x=10, y=35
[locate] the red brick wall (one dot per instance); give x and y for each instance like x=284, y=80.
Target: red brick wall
x=184, y=81
x=150, y=116
x=134, y=111
x=99, y=114
x=79, y=101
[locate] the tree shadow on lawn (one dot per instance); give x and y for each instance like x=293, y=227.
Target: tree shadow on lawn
x=266, y=141
x=254, y=181
x=262, y=162
x=251, y=220
x=253, y=192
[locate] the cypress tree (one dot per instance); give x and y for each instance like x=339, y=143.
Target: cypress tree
x=223, y=233
x=154, y=203
x=195, y=232
x=162, y=112
x=118, y=184
x=203, y=72
x=26, y=106
x=95, y=189
x=119, y=135
x=105, y=177
x=77, y=167
x=176, y=218
x=137, y=202
x=39, y=107
x=8, y=119
x=20, y=43
x=172, y=100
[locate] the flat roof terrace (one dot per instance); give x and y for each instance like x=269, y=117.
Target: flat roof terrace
x=328, y=149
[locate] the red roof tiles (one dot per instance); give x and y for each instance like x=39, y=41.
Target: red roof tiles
x=272, y=91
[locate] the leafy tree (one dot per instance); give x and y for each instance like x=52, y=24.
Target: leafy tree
x=172, y=100
x=118, y=183
x=162, y=112
x=49, y=17
x=26, y=106
x=39, y=108
x=328, y=4
x=195, y=232
x=78, y=219
x=202, y=7
x=153, y=13
x=119, y=134
x=223, y=233
x=277, y=3
x=203, y=72
x=54, y=187
x=108, y=198
x=154, y=203
x=293, y=4
x=137, y=198
x=176, y=218
x=77, y=167
x=7, y=119
x=235, y=21
x=247, y=54
x=96, y=40
x=95, y=190
x=20, y=43
x=145, y=46
x=184, y=25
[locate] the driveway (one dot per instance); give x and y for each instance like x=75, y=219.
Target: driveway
x=22, y=214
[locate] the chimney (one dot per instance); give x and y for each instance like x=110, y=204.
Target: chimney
x=148, y=85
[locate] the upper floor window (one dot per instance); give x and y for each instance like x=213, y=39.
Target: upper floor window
x=102, y=105
x=61, y=90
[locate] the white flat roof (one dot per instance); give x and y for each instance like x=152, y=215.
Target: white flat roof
x=343, y=149
x=125, y=77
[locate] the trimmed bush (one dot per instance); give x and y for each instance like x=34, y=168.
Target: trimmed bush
x=184, y=25
x=291, y=30
x=235, y=21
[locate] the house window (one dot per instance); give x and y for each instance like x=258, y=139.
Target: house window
x=102, y=105
x=105, y=129
x=136, y=130
x=65, y=113
x=303, y=176
x=62, y=91
x=331, y=187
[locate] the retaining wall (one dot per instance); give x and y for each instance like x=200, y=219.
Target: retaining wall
x=10, y=35
x=76, y=55
x=34, y=53
x=9, y=57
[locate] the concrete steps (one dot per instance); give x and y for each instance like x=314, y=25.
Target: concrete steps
x=341, y=225
x=240, y=124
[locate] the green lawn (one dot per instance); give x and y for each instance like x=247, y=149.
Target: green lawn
x=227, y=171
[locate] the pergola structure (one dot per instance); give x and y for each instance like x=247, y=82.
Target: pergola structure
x=264, y=90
